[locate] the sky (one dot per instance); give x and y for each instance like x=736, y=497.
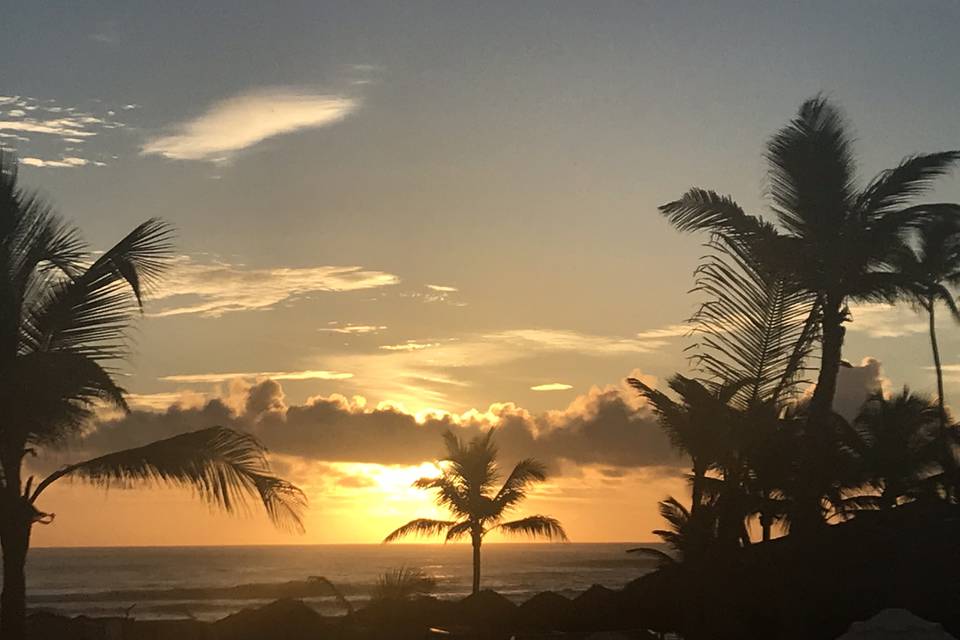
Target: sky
x=398, y=218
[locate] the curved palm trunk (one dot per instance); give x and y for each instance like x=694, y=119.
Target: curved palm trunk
x=475, y=538
x=821, y=402
x=808, y=514
x=938, y=367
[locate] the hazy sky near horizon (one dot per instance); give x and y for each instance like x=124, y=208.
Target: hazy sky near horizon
x=398, y=217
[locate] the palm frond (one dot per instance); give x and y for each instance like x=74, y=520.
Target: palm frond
x=811, y=170
x=914, y=176
x=49, y=396
x=224, y=467
x=704, y=210
x=514, y=489
x=756, y=325
x=534, y=527
x=663, y=559
x=90, y=313
x=458, y=531
x=423, y=527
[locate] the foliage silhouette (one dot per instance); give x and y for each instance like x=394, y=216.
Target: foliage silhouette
x=64, y=317
x=832, y=242
x=466, y=488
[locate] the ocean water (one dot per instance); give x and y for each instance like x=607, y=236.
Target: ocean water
x=210, y=582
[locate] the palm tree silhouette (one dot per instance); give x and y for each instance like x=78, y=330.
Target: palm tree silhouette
x=897, y=437
x=933, y=265
x=691, y=536
x=63, y=321
x=696, y=425
x=465, y=488
x=837, y=242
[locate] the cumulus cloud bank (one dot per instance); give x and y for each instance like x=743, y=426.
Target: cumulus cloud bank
x=606, y=427
x=242, y=121
x=213, y=288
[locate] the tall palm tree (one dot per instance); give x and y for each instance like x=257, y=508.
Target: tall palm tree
x=63, y=322
x=839, y=243
x=465, y=487
x=933, y=265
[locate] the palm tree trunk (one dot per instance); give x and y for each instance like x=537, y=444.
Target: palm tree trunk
x=821, y=403
x=696, y=490
x=15, y=541
x=937, y=366
x=475, y=538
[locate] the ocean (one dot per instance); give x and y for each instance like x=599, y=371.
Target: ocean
x=207, y=583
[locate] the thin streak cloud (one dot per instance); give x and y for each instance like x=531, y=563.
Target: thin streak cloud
x=202, y=378
x=213, y=288
x=243, y=121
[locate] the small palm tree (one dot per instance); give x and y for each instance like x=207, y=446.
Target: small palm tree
x=897, y=435
x=403, y=583
x=63, y=321
x=465, y=488
x=690, y=536
x=697, y=425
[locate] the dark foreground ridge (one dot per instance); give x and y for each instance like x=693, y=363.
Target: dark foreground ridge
x=908, y=558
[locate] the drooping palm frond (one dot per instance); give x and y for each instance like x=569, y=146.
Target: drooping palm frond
x=704, y=210
x=49, y=396
x=459, y=530
x=423, y=527
x=756, y=325
x=534, y=527
x=224, y=467
x=663, y=559
x=811, y=170
x=514, y=489
x=450, y=493
x=914, y=176
x=89, y=314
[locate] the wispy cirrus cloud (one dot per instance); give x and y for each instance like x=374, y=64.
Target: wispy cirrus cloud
x=48, y=134
x=353, y=329
x=880, y=320
x=422, y=373
x=242, y=121
x=202, y=378
x=215, y=287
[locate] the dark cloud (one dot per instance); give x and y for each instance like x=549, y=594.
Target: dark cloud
x=605, y=427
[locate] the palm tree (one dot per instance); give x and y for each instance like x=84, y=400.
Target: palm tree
x=691, y=536
x=838, y=243
x=465, y=487
x=696, y=425
x=402, y=584
x=63, y=321
x=897, y=435
x=933, y=265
